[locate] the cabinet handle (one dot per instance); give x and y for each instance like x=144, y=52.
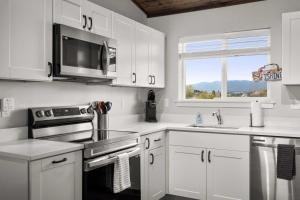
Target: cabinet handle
x=157, y=140
x=209, y=160
x=51, y=69
x=59, y=161
x=91, y=21
x=154, y=80
x=150, y=80
x=85, y=21
x=152, y=159
x=148, y=143
x=134, y=77
x=202, y=156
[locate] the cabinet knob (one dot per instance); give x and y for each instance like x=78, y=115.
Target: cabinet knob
x=91, y=23
x=51, y=69
x=202, y=156
x=148, y=143
x=152, y=159
x=85, y=21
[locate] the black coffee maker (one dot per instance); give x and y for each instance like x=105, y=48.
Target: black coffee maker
x=151, y=107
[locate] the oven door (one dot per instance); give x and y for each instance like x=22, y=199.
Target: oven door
x=98, y=177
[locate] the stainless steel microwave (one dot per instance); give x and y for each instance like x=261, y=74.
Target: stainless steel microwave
x=82, y=56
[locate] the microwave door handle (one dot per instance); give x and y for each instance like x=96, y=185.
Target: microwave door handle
x=107, y=61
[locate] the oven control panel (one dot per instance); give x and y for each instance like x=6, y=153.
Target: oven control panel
x=54, y=113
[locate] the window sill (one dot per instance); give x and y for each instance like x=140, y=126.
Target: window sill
x=221, y=104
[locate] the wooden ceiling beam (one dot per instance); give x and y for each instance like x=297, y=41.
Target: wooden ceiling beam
x=156, y=8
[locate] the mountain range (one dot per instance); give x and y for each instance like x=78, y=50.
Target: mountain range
x=232, y=86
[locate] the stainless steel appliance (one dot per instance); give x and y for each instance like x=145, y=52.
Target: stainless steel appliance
x=75, y=124
x=264, y=182
x=82, y=56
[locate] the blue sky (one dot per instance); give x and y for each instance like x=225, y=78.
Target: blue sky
x=209, y=70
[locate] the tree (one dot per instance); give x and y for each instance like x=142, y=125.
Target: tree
x=189, y=91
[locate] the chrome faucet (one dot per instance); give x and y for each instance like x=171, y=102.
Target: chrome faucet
x=219, y=117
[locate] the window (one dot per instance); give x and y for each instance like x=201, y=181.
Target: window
x=221, y=66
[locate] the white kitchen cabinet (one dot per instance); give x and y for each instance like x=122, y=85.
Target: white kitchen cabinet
x=124, y=33
x=209, y=166
x=227, y=175
x=156, y=174
x=84, y=15
x=291, y=48
x=157, y=59
x=99, y=20
x=58, y=177
x=26, y=39
x=187, y=172
x=153, y=166
x=70, y=13
x=142, y=55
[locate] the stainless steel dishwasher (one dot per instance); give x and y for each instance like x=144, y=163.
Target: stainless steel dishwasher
x=264, y=183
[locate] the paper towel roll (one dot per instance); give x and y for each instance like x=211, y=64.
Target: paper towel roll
x=257, y=114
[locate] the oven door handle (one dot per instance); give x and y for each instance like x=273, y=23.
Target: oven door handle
x=109, y=159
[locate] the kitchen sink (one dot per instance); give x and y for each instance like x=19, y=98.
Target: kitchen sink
x=214, y=126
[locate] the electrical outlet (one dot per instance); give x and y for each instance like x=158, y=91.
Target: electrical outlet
x=7, y=104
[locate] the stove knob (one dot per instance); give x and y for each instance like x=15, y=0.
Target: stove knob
x=82, y=110
x=90, y=110
x=48, y=113
x=39, y=113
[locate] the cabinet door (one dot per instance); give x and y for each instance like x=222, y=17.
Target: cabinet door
x=157, y=59
x=58, y=178
x=142, y=55
x=99, y=20
x=156, y=174
x=227, y=175
x=124, y=33
x=291, y=48
x=70, y=13
x=30, y=39
x=187, y=172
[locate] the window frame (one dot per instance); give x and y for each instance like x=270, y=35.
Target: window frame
x=220, y=54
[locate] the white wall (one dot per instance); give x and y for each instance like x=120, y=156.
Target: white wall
x=265, y=14
x=125, y=100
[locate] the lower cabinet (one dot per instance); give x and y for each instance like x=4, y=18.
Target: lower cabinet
x=156, y=174
x=227, y=175
x=54, y=178
x=153, y=166
x=58, y=178
x=209, y=167
x=187, y=172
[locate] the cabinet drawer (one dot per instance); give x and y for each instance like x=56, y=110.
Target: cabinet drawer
x=154, y=140
x=59, y=160
x=210, y=140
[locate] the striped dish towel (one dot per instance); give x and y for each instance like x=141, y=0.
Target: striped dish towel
x=122, y=173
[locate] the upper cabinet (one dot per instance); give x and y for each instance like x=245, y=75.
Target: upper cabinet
x=124, y=33
x=83, y=15
x=26, y=39
x=140, y=57
x=70, y=13
x=291, y=48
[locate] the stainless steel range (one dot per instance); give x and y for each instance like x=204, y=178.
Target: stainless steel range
x=101, y=148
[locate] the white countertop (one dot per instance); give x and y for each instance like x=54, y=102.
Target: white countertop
x=32, y=149
x=145, y=128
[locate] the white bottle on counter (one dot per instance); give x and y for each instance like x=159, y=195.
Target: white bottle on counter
x=257, y=115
